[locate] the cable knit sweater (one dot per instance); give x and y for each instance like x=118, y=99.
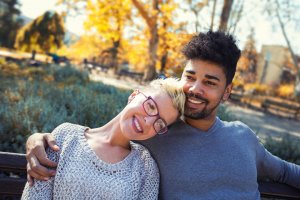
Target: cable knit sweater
x=81, y=174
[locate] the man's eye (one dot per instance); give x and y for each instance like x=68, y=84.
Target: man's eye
x=210, y=83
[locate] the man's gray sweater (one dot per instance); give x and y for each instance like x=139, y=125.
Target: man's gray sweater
x=222, y=163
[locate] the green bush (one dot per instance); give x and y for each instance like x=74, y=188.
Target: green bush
x=286, y=148
x=29, y=106
x=70, y=75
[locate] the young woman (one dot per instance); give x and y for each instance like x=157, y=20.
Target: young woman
x=103, y=163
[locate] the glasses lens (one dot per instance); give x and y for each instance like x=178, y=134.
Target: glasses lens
x=160, y=126
x=150, y=107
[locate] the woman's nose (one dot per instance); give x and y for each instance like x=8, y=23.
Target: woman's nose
x=149, y=120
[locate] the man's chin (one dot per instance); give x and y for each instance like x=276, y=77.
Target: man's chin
x=195, y=115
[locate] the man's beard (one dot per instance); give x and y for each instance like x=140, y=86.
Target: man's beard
x=202, y=114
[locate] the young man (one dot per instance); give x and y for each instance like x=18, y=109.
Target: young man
x=203, y=157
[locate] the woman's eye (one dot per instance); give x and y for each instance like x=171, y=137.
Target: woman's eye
x=189, y=77
x=151, y=106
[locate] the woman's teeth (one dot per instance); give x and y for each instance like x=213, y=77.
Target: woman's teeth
x=137, y=125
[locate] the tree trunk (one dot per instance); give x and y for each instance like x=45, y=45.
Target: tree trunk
x=150, y=71
x=225, y=15
x=163, y=61
x=151, y=21
x=213, y=15
x=114, y=56
x=295, y=61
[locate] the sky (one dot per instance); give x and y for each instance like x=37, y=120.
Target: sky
x=265, y=31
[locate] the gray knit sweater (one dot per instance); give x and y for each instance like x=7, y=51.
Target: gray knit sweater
x=82, y=175
x=222, y=163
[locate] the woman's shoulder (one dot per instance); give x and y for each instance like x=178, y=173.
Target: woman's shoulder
x=67, y=130
x=142, y=152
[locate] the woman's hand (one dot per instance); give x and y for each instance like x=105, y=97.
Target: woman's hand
x=37, y=161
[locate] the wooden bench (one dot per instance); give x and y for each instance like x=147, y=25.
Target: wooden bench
x=134, y=75
x=13, y=179
x=12, y=175
x=284, y=109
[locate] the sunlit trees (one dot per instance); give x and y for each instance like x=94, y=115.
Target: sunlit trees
x=286, y=14
x=9, y=22
x=44, y=34
x=107, y=19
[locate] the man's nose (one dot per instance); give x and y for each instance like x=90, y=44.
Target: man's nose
x=197, y=88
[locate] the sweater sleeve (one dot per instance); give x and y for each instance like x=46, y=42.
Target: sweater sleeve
x=150, y=184
x=273, y=167
x=44, y=189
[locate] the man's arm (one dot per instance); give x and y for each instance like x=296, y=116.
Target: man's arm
x=37, y=158
x=277, y=169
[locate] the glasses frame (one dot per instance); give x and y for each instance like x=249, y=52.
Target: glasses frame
x=162, y=131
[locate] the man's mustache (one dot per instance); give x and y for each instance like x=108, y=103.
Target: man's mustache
x=197, y=96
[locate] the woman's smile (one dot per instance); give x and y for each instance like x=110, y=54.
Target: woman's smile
x=136, y=125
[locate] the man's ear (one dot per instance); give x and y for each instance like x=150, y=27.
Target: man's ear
x=227, y=92
x=132, y=96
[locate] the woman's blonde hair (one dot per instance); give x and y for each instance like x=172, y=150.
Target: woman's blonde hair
x=173, y=88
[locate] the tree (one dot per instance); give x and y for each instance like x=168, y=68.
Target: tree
x=249, y=57
x=108, y=20
x=150, y=16
x=286, y=13
x=225, y=15
x=44, y=34
x=196, y=7
x=9, y=22
x=235, y=16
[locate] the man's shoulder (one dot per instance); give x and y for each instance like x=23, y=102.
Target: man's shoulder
x=238, y=128
x=234, y=124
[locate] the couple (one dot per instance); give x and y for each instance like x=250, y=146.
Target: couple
x=201, y=157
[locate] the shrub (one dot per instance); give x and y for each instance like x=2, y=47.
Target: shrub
x=286, y=148
x=37, y=106
x=285, y=91
x=70, y=75
x=258, y=89
x=29, y=104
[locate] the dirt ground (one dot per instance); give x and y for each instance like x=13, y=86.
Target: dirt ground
x=263, y=123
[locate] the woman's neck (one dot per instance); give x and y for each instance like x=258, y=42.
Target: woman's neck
x=108, y=142
x=110, y=133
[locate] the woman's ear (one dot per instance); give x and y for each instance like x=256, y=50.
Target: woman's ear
x=132, y=96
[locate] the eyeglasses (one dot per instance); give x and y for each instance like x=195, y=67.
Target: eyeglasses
x=151, y=109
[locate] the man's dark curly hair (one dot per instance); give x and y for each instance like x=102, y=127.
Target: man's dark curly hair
x=215, y=47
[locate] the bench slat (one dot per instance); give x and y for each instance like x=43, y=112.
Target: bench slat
x=13, y=162
x=17, y=162
x=12, y=186
x=278, y=190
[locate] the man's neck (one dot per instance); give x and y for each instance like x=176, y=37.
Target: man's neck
x=202, y=124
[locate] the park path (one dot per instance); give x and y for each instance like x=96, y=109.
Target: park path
x=263, y=124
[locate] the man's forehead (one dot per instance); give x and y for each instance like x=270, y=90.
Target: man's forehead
x=204, y=68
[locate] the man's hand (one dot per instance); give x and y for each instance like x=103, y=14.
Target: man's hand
x=36, y=156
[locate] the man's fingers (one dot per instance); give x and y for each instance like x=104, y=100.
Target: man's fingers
x=43, y=159
x=29, y=180
x=51, y=142
x=37, y=171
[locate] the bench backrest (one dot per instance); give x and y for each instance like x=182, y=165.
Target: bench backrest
x=13, y=179
x=12, y=174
